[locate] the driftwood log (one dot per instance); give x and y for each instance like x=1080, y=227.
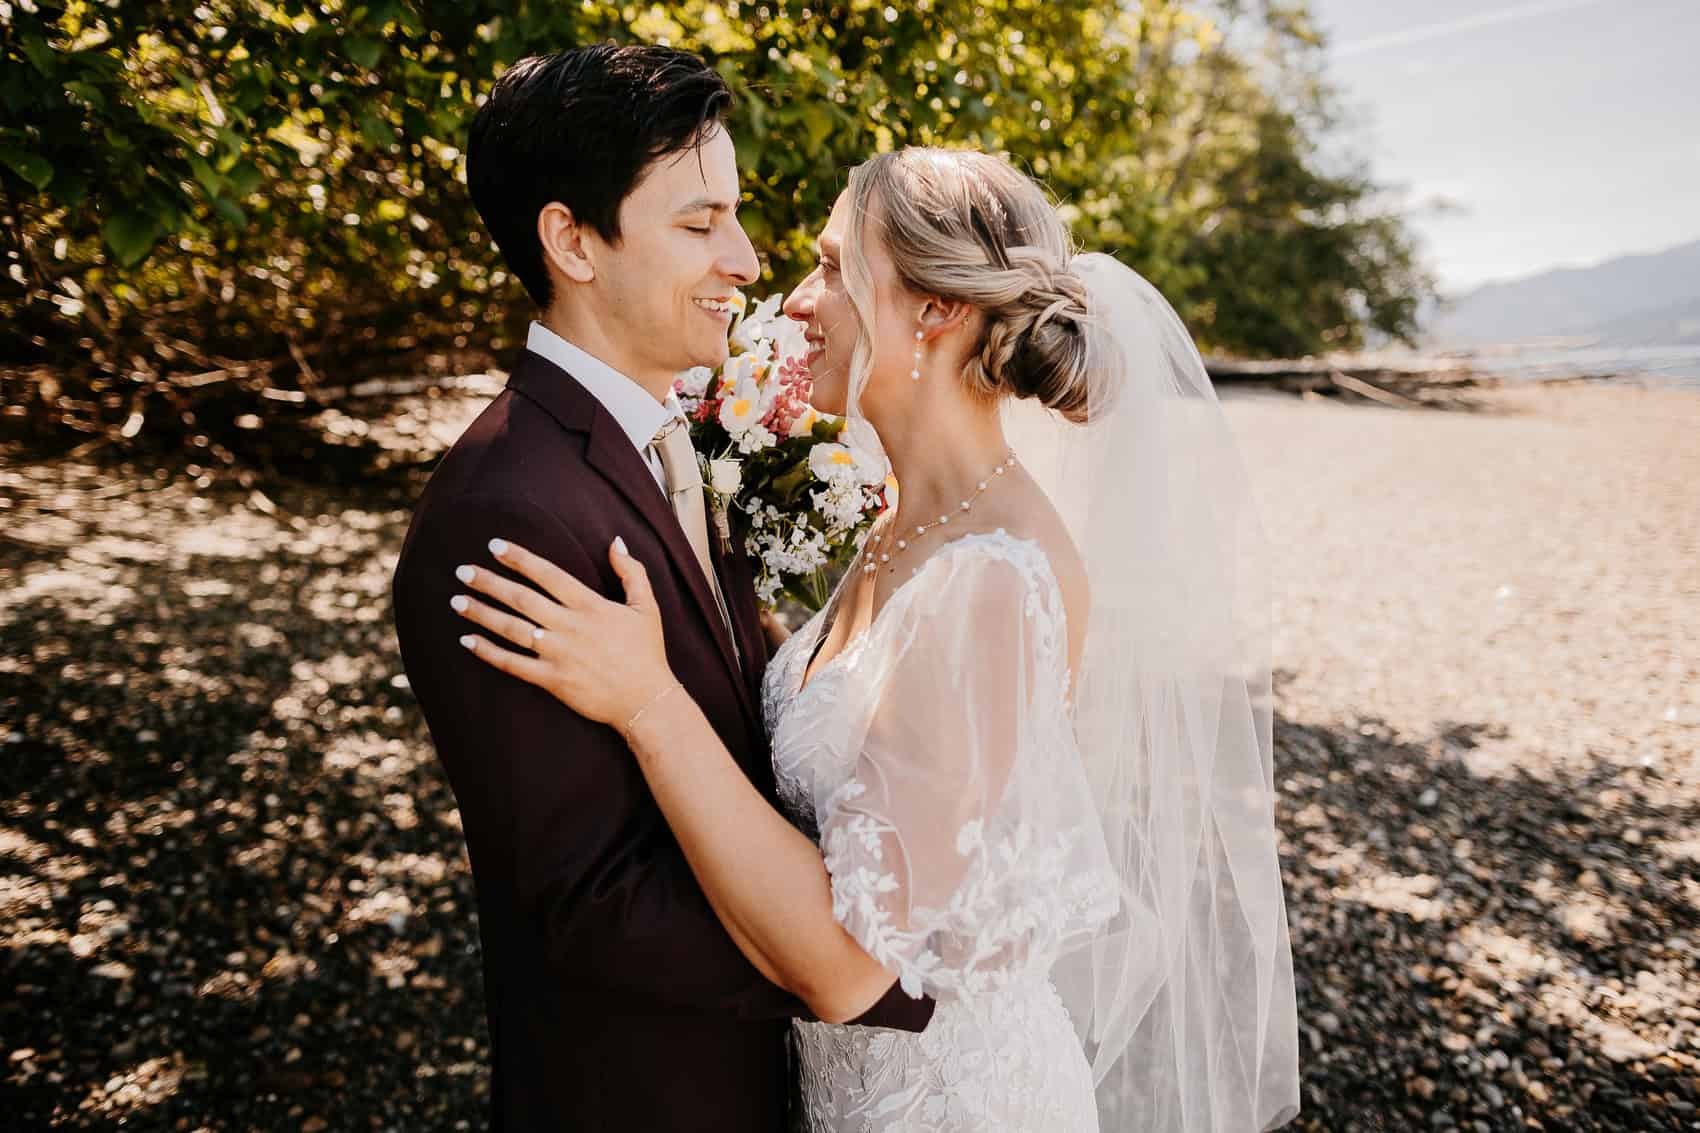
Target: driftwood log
x=1405, y=383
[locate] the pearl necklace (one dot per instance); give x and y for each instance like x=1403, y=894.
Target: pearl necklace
x=873, y=564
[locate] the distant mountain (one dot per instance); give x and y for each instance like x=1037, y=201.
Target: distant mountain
x=1675, y=325
x=1651, y=299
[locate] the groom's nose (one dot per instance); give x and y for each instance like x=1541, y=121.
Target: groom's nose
x=738, y=260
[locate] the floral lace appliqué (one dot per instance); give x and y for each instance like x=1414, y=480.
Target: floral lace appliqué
x=1000, y=1052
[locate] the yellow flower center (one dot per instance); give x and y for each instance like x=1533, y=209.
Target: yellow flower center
x=741, y=406
x=843, y=458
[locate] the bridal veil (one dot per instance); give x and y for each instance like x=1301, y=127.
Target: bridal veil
x=1186, y=1004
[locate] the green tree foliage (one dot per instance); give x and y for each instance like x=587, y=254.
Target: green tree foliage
x=212, y=205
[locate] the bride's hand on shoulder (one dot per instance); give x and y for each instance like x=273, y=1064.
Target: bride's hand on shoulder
x=604, y=660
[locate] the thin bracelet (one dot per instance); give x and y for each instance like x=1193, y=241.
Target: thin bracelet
x=653, y=701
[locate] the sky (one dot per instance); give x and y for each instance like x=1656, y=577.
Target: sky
x=1559, y=132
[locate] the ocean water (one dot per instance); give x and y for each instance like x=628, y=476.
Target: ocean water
x=1663, y=366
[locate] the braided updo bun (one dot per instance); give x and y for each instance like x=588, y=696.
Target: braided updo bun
x=969, y=227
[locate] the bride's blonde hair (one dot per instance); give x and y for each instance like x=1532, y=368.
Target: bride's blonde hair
x=969, y=227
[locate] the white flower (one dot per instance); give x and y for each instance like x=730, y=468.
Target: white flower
x=745, y=403
x=804, y=424
x=842, y=506
x=756, y=329
x=760, y=349
x=864, y=445
x=788, y=339
x=694, y=381
x=767, y=311
x=725, y=476
x=741, y=369
x=834, y=463
x=755, y=438
x=737, y=414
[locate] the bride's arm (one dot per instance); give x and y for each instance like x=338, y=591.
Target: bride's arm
x=766, y=881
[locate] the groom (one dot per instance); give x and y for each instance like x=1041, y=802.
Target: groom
x=615, y=999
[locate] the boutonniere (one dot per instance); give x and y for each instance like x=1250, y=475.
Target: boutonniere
x=724, y=478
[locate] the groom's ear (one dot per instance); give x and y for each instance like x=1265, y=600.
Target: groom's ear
x=563, y=241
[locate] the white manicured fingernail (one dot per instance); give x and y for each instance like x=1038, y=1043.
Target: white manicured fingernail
x=498, y=547
x=620, y=545
x=470, y=640
x=466, y=573
x=459, y=603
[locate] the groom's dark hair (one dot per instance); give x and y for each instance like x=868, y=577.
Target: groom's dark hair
x=580, y=127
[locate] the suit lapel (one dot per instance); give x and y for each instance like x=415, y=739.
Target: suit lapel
x=610, y=452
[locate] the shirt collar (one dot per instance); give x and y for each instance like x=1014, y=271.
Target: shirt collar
x=638, y=414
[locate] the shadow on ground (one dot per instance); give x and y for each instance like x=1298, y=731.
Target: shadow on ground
x=233, y=893
x=1486, y=953
x=232, y=890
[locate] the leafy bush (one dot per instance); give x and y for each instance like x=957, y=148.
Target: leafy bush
x=215, y=209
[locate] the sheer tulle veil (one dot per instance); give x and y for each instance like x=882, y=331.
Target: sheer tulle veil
x=1186, y=1006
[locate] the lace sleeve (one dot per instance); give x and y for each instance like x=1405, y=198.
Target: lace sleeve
x=964, y=848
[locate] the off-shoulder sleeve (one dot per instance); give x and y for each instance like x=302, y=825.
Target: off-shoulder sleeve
x=964, y=848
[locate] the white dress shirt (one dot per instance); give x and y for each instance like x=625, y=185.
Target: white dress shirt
x=638, y=414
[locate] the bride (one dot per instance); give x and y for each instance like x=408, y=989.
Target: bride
x=1024, y=752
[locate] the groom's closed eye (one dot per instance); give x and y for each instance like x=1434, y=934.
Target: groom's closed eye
x=699, y=215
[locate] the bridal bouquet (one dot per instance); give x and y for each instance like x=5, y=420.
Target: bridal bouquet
x=805, y=485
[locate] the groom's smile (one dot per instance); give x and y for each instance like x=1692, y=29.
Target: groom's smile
x=721, y=310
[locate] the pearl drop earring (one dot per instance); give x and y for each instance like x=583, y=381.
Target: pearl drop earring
x=915, y=373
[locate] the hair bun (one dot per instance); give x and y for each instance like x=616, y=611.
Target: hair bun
x=1049, y=360
x=968, y=226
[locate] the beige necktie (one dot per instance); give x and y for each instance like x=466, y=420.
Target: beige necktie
x=684, y=487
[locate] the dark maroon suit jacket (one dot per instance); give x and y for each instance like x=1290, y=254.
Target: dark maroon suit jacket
x=616, y=1000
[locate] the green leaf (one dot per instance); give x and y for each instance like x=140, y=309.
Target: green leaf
x=31, y=167
x=230, y=211
x=748, y=150
x=787, y=486
x=40, y=54
x=364, y=50
x=376, y=131
x=410, y=21
x=243, y=179
x=817, y=120
x=130, y=235
x=71, y=189
x=203, y=172
x=383, y=12
x=88, y=92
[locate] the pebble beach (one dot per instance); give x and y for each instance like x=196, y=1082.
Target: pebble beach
x=233, y=894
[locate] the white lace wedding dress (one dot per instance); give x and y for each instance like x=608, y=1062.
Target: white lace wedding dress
x=934, y=761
